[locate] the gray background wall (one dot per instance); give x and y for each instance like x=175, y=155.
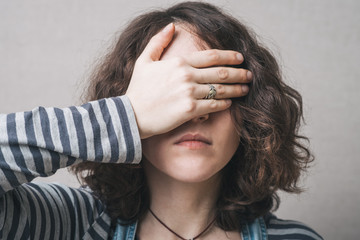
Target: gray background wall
x=47, y=49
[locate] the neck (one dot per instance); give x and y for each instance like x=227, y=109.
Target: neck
x=187, y=208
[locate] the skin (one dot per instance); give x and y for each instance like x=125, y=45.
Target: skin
x=188, y=160
x=183, y=166
x=155, y=99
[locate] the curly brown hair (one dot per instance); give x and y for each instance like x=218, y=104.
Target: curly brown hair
x=271, y=154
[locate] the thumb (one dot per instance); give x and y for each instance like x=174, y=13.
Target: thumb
x=158, y=43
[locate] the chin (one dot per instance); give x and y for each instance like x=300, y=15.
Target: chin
x=191, y=178
x=186, y=170
x=192, y=174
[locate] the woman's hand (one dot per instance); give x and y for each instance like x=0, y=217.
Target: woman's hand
x=165, y=94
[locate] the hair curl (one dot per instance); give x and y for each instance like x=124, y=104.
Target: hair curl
x=271, y=154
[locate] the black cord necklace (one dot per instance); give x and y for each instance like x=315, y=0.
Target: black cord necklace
x=197, y=236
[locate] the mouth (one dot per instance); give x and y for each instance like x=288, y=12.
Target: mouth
x=193, y=139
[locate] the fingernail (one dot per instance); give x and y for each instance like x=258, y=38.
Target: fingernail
x=245, y=88
x=239, y=56
x=249, y=75
x=228, y=102
x=167, y=28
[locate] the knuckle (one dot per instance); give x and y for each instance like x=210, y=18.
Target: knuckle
x=213, y=104
x=185, y=75
x=189, y=91
x=190, y=106
x=179, y=62
x=223, y=73
x=220, y=90
x=213, y=55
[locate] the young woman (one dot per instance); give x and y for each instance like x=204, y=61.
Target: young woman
x=202, y=136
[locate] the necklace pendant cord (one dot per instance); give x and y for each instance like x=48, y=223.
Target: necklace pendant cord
x=172, y=231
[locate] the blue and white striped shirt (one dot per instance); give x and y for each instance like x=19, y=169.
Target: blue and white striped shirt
x=41, y=141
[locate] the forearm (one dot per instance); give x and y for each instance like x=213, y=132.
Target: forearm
x=39, y=142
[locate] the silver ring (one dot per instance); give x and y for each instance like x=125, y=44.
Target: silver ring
x=212, y=92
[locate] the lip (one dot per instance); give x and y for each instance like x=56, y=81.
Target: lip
x=193, y=138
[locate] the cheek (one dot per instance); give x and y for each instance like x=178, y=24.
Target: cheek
x=235, y=139
x=154, y=148
x=147, y=148
x=228, y=149
x=230, y=140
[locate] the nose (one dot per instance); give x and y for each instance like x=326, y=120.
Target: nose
x=200, y=118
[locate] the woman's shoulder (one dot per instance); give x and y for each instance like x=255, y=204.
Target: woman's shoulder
x=288, y=229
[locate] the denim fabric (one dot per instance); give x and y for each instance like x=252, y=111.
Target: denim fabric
x=125, y=232
x=253, y=231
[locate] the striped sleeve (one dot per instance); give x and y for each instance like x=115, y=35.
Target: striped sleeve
x=279, y=229
x=52, y=211
x=39, y=142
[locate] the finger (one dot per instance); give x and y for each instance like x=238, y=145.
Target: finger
x=211, y=105
x=214, y=57
x=222, y=75
x=222, y=91
x=158, y=43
